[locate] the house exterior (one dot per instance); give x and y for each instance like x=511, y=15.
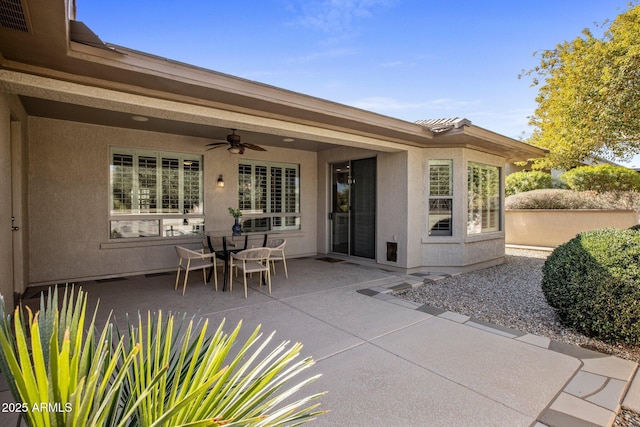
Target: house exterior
x=105, y=166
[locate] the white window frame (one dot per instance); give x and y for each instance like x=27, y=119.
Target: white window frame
x=439, y=194
x=484, y=208
x=275, y=208
x=156, y=221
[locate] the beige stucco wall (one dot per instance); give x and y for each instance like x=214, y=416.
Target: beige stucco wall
x=550, y=228
x=6, y=246
x=13, y=201
x=69, y=200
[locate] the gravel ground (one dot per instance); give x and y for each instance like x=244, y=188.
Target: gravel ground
x=510, y=295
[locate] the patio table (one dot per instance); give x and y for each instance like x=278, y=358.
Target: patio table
x=230, y=244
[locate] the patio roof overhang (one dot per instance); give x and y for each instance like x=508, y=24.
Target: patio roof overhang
x=61, y=70
x=478, y=138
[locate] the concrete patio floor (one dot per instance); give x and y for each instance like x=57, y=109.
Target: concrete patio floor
x=386, y=361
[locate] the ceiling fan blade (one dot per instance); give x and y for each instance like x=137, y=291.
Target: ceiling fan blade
x=218, y=146
x=252, y=147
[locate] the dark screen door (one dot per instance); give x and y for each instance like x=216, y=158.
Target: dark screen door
x=353, y=216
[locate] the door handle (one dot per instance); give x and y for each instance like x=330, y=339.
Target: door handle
x=330, y=216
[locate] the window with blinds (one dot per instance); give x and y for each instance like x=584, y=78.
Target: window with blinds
x=440, y=203
x=484, y=205
x=265, y=189
x=155, y=193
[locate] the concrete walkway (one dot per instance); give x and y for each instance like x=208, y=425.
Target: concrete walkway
x=386, y=362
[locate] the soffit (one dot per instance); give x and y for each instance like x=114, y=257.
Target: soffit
x=477, y=138
x=72, y=112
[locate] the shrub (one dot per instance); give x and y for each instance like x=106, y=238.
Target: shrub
x=593, y=282
x=519, y=182
x=569, y=199
x=602, y=178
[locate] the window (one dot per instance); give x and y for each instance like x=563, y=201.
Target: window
x=484, y=210
x=440, y=197
x=155, y=194
x=269, y=195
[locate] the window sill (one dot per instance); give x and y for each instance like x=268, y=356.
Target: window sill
x=150, y=241
x=494, y=235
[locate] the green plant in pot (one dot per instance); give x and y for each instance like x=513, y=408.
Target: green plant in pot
x=236, y=214
x=164, y=371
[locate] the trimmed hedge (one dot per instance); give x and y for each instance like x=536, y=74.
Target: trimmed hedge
x=602, y=178
x=593, y=282
x=519, y=182
x=569, y=199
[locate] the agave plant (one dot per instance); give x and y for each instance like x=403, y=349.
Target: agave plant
x=159, y=374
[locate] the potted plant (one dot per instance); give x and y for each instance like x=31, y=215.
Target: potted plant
x=236, y=214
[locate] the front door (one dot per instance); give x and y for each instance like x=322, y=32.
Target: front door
x=353, y=211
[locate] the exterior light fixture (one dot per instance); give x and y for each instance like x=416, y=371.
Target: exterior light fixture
x=220, y=182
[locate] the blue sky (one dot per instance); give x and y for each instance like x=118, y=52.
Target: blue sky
x=410, y=59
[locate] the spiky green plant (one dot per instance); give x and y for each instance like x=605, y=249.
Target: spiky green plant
x=47, y=358
x=159, y=374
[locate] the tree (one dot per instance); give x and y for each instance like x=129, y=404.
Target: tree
x=589, y=96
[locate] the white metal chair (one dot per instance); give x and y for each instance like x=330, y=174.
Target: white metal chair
x=192, y=260
x=277, y=254
x=254, y=260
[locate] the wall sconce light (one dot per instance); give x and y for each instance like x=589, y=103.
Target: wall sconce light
x=220, y=182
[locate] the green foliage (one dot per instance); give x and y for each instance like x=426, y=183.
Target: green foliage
x=588, y=103
x=519, y=182
x=236, y=213
x=593, y=282
x=602, y=178
x=569, y=199
x=635, y=227
x=161, y=374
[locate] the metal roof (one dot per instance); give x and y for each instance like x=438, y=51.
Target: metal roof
x=443, y=125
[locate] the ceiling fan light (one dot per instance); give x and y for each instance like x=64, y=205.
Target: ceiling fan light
x=234, y=150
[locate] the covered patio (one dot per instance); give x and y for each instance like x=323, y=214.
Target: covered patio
x=106, y=163
x=386, y=361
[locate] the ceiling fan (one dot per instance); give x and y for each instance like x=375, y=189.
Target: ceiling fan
x=235, y=144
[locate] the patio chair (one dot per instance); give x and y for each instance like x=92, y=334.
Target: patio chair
x=254, y=260
x=277, y=254
x=192, y=260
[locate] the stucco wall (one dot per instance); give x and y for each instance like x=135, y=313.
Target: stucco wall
x=550, y=228
x=69, y=200
x=6, y=251
x=13, y=200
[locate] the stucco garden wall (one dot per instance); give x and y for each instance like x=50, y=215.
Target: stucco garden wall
x=550, y=228
x=69, y=201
